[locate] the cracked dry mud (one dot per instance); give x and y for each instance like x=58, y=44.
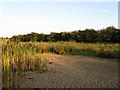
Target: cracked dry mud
x=69, y=71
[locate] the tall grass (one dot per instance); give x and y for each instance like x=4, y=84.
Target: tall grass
x=104, y=50
x=20, y=57
x=0, y=63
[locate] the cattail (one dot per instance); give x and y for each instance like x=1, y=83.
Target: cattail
x=13, y=63
x=8, y=64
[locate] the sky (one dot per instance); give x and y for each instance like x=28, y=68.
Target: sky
x=45, y=17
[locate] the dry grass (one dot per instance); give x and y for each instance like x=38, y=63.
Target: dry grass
x=20, y=57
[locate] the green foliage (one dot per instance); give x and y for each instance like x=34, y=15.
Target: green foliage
x=105, y=54
x=110, y=35
x=59, y=49
x=20, y=57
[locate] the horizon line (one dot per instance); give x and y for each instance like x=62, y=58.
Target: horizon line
x=58, y=32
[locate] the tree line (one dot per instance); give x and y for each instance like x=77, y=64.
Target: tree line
x=109, y=35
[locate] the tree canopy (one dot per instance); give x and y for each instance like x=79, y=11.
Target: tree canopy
x=110, y=35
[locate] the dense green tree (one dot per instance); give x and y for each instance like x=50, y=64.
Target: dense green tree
x=110, y=34
x=106, y=34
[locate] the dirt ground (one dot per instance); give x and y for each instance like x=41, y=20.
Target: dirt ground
x=68, y=71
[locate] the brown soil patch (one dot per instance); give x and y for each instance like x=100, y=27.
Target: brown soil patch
x=68, y=71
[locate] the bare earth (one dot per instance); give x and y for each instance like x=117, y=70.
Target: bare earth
x=69, y=71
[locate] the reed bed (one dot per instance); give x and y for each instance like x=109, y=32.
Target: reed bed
x=20, y=57
x=103, y=50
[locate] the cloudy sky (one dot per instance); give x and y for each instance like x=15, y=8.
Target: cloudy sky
x=45, y=17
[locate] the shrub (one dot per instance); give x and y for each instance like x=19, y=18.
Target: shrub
x=44, y=49
x=66, y=49
x=105, y=53
x=72, y=50
x=59, y=49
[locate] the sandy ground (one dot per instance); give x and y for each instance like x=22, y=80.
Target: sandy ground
x=68, y=71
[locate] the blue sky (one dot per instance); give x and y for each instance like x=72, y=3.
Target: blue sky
x=46, y=17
